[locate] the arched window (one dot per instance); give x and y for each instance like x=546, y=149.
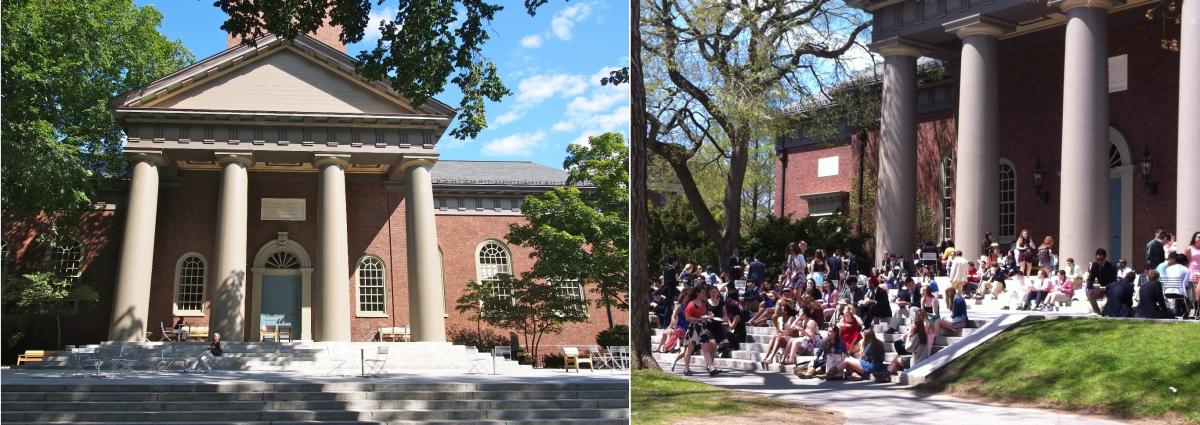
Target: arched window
x=66, y=258
x=283, y=260
x=947, y=191
x=370, y=281
x=492, y=260
x=1008, y=201
x=190, y=272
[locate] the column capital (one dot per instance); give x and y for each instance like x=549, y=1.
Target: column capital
x=321, y=159
x=978, y=24
x=897, y=46
x=157, y=157
x=244, y=158
x=1067, y=5
x=424, y=161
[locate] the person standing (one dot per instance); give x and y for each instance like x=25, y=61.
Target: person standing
x=1100, y=274
x=733, y=267
x=1192, y=254
x=988, y=242
x=1155, y=254
x=958, y=276
x=670, y=287
x=757, y=272
x=1045, y=254
x=834, y=263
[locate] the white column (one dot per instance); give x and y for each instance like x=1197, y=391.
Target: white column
x=131, y=302
x=976, y=178
x=229, y=268
x=333, y=262
x=425, y=297
x=1187, y=201
x=1083, y=208
x=895, y=213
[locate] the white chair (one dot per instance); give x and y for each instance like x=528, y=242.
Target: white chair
x=378, y=365
x=125, y=362
x=168, y=334
x=605, y=358
x=169, y=356
x=477, y=365
x=338, y=360
x=620, y=355
x=502, y=351
x=740, y=284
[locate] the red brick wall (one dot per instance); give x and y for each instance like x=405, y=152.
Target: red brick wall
x=1030, y=125
x=187, y=223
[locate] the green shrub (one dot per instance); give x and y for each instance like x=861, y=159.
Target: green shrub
x=484, y=340
x=553, y=361
x=618, y=335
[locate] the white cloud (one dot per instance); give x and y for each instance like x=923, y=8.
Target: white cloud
x=532, y=41
x=564, y=126
x=514, y=145
x=617, y=120
x=371, y=32
x=539, y=87
x=565, y=19
x=509, y=116
x=600, y=100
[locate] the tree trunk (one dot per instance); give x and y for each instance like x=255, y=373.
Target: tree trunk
x=639, y=324
x=58, y=328
x=608, y=309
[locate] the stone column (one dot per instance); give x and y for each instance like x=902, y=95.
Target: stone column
x=131, y=302
x=1187, y=202
x=333, y=261
x=977, y=176
x=1083, y=208
x=425, y=297
x=895, y=208
x=229, y=268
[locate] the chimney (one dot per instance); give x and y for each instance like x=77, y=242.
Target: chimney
x=327, y=34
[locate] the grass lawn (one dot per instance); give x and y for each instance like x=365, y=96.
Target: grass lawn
x=1122, y=368
x=662, y=398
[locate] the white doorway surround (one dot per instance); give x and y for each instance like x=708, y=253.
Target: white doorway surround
x=264, y=265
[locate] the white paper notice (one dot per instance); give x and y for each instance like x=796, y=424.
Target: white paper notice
x=285, y=209
x=827, y=166
x=1118, y=73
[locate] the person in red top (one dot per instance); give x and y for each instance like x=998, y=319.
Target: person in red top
x=850, y=327
x=697, y=315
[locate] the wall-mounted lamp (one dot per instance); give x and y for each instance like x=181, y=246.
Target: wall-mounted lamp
x=1147, y=166
x=1038, y=182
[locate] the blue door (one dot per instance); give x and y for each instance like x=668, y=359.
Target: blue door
x=281, y=302
x=1114, y=219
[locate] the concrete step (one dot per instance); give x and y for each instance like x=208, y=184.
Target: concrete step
x=386, y=404
x=563, y=421
x=311, y=415
x=604, y=393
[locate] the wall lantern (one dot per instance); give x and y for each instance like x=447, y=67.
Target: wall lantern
x=1147, y=166
x=1039, y=183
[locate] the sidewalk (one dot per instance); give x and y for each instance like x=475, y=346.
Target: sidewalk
x=870, y=403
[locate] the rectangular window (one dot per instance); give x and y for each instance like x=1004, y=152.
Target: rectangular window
x=572, y=289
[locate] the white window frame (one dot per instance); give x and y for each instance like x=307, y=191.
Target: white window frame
x=565, y=288
x=358, y=307
x=487, y=278
x=54, y=264
x=1001, y=236
x=179, y=283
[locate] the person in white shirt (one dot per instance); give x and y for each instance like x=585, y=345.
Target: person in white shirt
x=958, y=276
x=1176, y=279
x=1018, y=288
x=1123, y=268
x=1074, y=273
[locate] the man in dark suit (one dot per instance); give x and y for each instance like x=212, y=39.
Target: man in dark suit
x=1120, y=297
x=1151, y=302
x=875, y=303
x=670, y=284
x=757, y=272
x=1100, y=274
x=1155, y=254
x=733, y=267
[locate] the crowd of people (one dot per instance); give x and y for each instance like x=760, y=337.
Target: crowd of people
x=826, y=306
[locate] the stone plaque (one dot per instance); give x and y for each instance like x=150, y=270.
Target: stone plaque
x=285, y=209
x=1118, y=73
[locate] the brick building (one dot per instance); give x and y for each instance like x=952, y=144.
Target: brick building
x=1002, y=141
x=274, y=187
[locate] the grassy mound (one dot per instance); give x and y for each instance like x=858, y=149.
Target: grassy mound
x=662, y=398
x=1128, y=369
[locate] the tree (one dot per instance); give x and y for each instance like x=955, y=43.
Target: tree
x=722, y=72
x=639, y=343
x=62, y=62
x=45, y=293
x=583, y=236
x=674, y=231
x=472, y=302
x=534, y=308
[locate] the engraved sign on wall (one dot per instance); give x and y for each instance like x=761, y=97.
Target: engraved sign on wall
x=1118, y=73
x=284, y=209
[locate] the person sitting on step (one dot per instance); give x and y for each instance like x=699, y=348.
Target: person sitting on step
x=869, y=361
x=1064, y=290
x=210, y=355
x=917, y=342
x=958, y=316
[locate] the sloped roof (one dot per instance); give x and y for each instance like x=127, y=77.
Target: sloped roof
x=520, y=173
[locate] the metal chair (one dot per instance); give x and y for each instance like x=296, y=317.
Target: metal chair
x=168, y=357
x=378, y=365
x=168, y=334
x=128, y=358
x=338, y=360
x=620, y=355
x=604, y=357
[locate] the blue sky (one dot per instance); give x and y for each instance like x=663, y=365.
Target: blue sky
x=551, y=62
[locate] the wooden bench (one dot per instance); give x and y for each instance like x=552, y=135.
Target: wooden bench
x=31, y=356
x=395, y=334
x=198, y=332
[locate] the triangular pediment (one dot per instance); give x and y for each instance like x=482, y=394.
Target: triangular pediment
x=282, y=81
